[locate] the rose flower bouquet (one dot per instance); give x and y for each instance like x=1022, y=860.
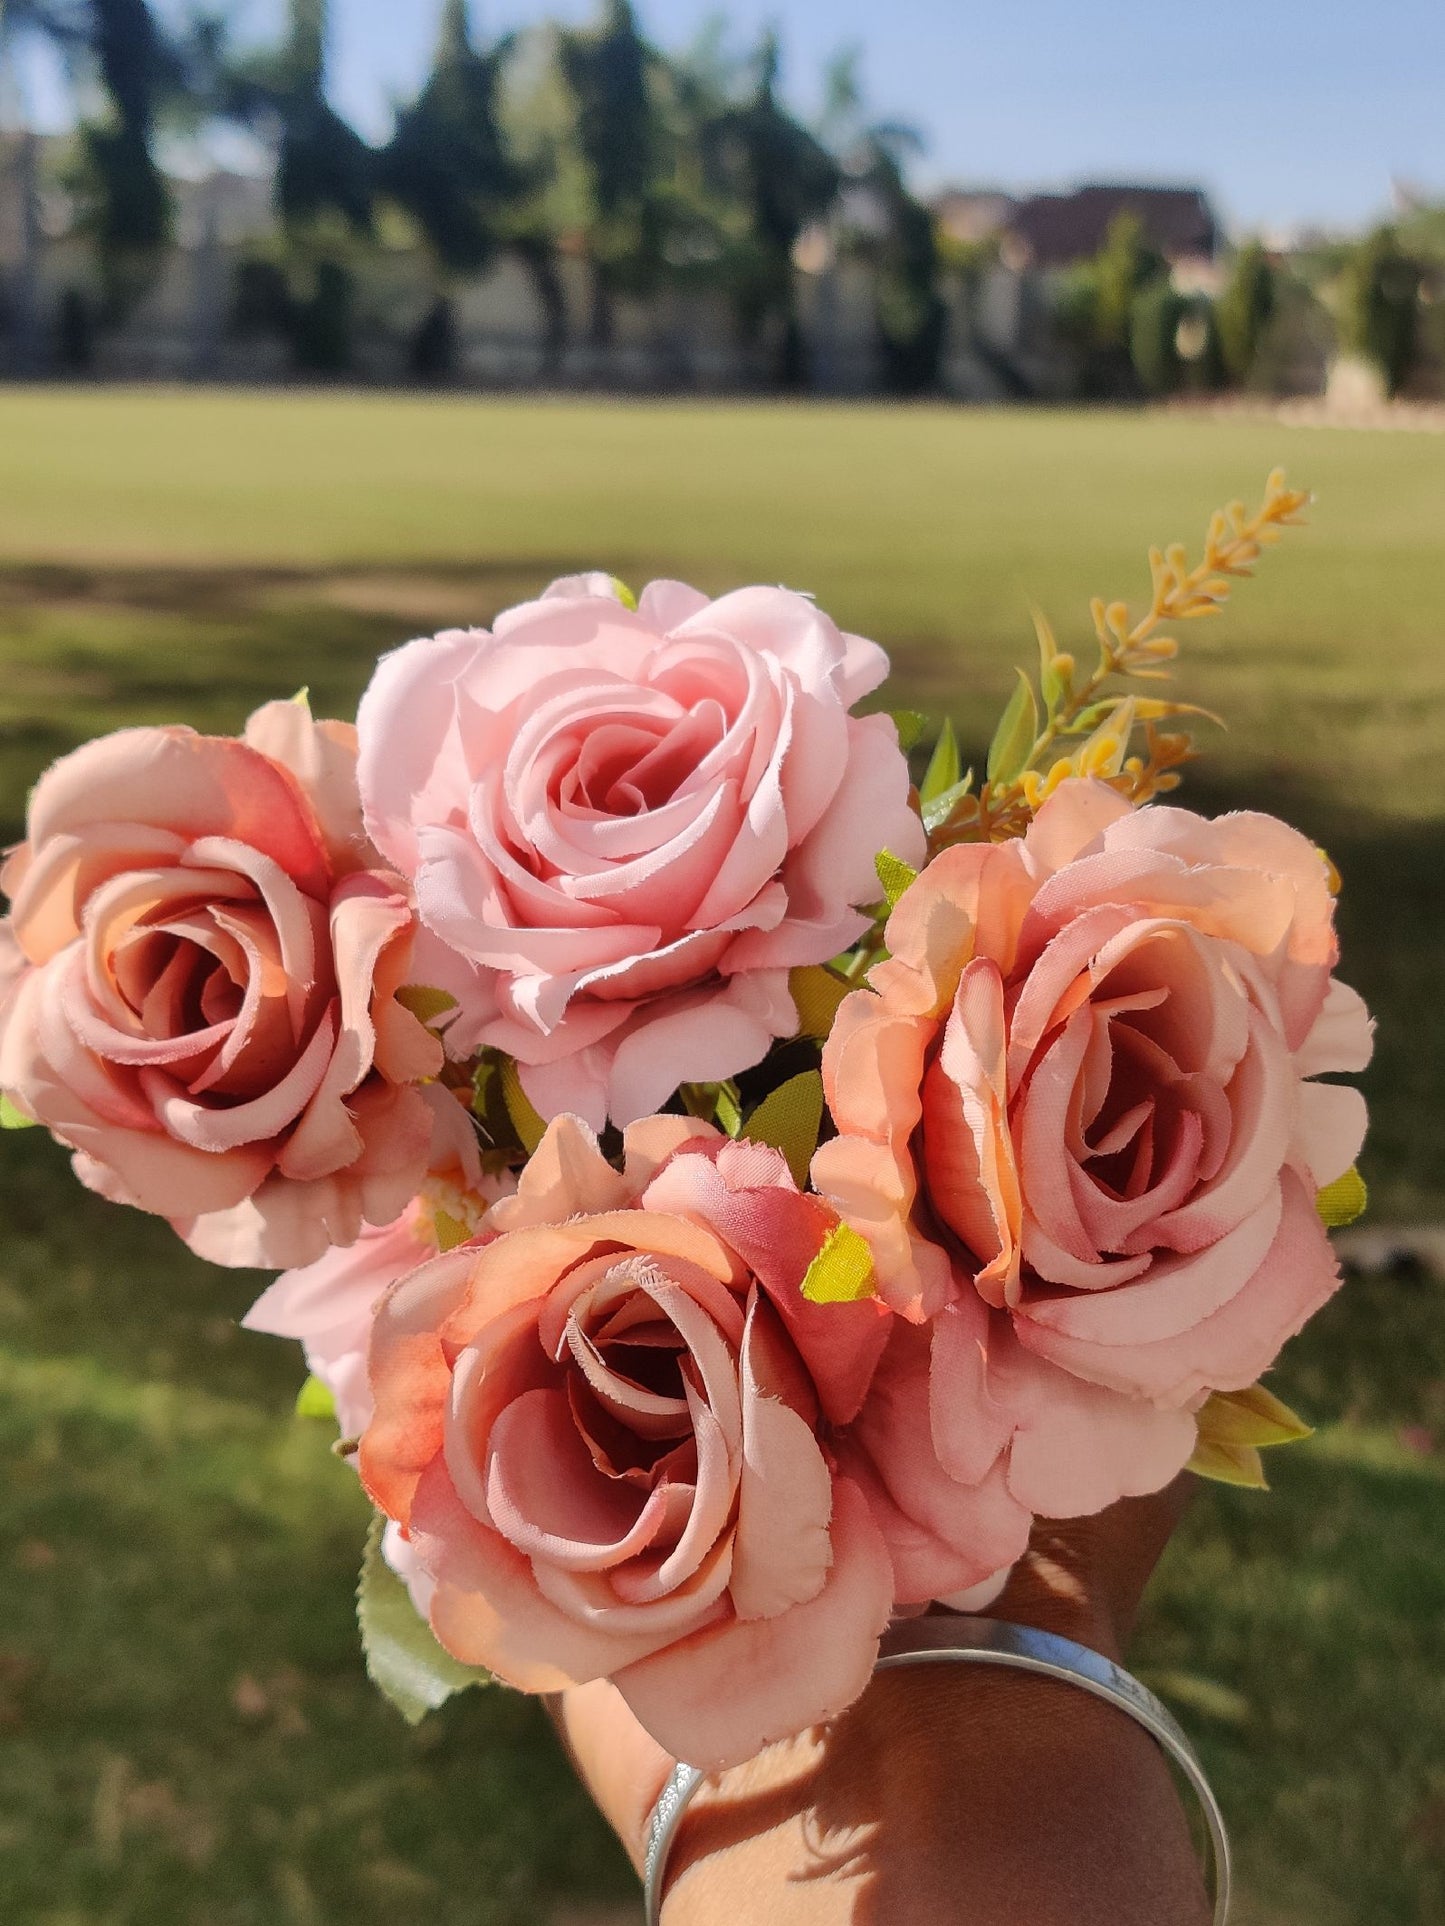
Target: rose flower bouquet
x=726, y=1192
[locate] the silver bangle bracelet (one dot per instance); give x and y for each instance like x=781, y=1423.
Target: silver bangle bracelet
x=987, y=1641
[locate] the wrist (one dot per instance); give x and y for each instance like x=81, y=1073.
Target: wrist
x=954, y=1792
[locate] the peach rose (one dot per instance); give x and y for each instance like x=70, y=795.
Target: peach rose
x=329, y=1305
x=625, y=827
x=1079, y=1127
x=602, y=1428
x=203, y=960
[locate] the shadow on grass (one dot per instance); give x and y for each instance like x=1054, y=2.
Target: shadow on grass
x=189, y=1733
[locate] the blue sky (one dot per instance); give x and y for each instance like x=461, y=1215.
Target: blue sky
x=1291, y=111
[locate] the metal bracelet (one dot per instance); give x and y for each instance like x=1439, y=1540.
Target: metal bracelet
x=988, y=1641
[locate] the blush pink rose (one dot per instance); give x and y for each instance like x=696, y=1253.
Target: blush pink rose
x=203, y=955
x=329, y=1305
x=624, y=827
x=1079, y=1127
x=603, y=1428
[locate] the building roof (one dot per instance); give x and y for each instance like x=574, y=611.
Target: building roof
x=1054, y=230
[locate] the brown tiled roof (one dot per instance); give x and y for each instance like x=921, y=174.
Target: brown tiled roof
x=1057, y=229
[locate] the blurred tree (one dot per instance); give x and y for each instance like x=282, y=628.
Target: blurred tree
x=609, y=70
x=1381, y=306
x=1244, y=311
x=324, y=169
x=324, y=181
x=448, y=167
x=130, y=203
x=1154, y=325
x=1094, y=306
x=896, y=236
x=785, y=180
x=126, y=65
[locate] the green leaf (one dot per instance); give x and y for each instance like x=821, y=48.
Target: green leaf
x=894, y=874
x=1056, y=670
x=314, y=1400
x=450, y=1230
x=425, y=1003
x=728, y=1111
x=1344, y=1200
x=1013, y=740
x=528, y=1125
x=623, y=593
x=403, y=1659
x=937, y=812
x=1253, y=1417
x=1229, y=1464
x=817, y=993
x=912, y=727
x=302, y=699
x=944, y=766
x=789, y=1119
x=842, y=1272
x=13, y=1119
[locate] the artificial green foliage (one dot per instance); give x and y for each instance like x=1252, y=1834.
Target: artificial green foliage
x=944, y=766
x=315, y=1400
x=403, y=1659
x=1344, y=1200
x=528, y=1125
x=1013, y=741
x=842, y=1272
x=894, y=874
x=789, y=1119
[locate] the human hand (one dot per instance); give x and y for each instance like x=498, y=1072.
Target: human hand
x=862, y=1808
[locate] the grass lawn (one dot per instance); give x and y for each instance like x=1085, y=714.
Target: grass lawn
x=189, y=1740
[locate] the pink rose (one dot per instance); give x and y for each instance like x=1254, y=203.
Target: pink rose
x=1079, y=1127
x=204, y=955
x=603, y=1428
x=625, y=828
x=329, y=1305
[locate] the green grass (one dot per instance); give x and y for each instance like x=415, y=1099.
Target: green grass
x=188, y=1736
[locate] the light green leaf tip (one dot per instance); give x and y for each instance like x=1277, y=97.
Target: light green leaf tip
x=789, y=1119
x=1344, y=1200
x=912, y=727
x=842, y=1272
x=450, y=1230
x=528, y=1125
x=944, y=766
x=314, y=1400
x=425, y=1003
x=403, y=1659
x=937, y=812
x=728, y=1111
x=13, y=1119
x=1227, y=1464
x=623, y=593
x=1251, y=1417
x=894, y=874
x=1013, y=740
x=1234, y=1426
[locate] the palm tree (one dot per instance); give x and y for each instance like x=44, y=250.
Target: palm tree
x=447, y=165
